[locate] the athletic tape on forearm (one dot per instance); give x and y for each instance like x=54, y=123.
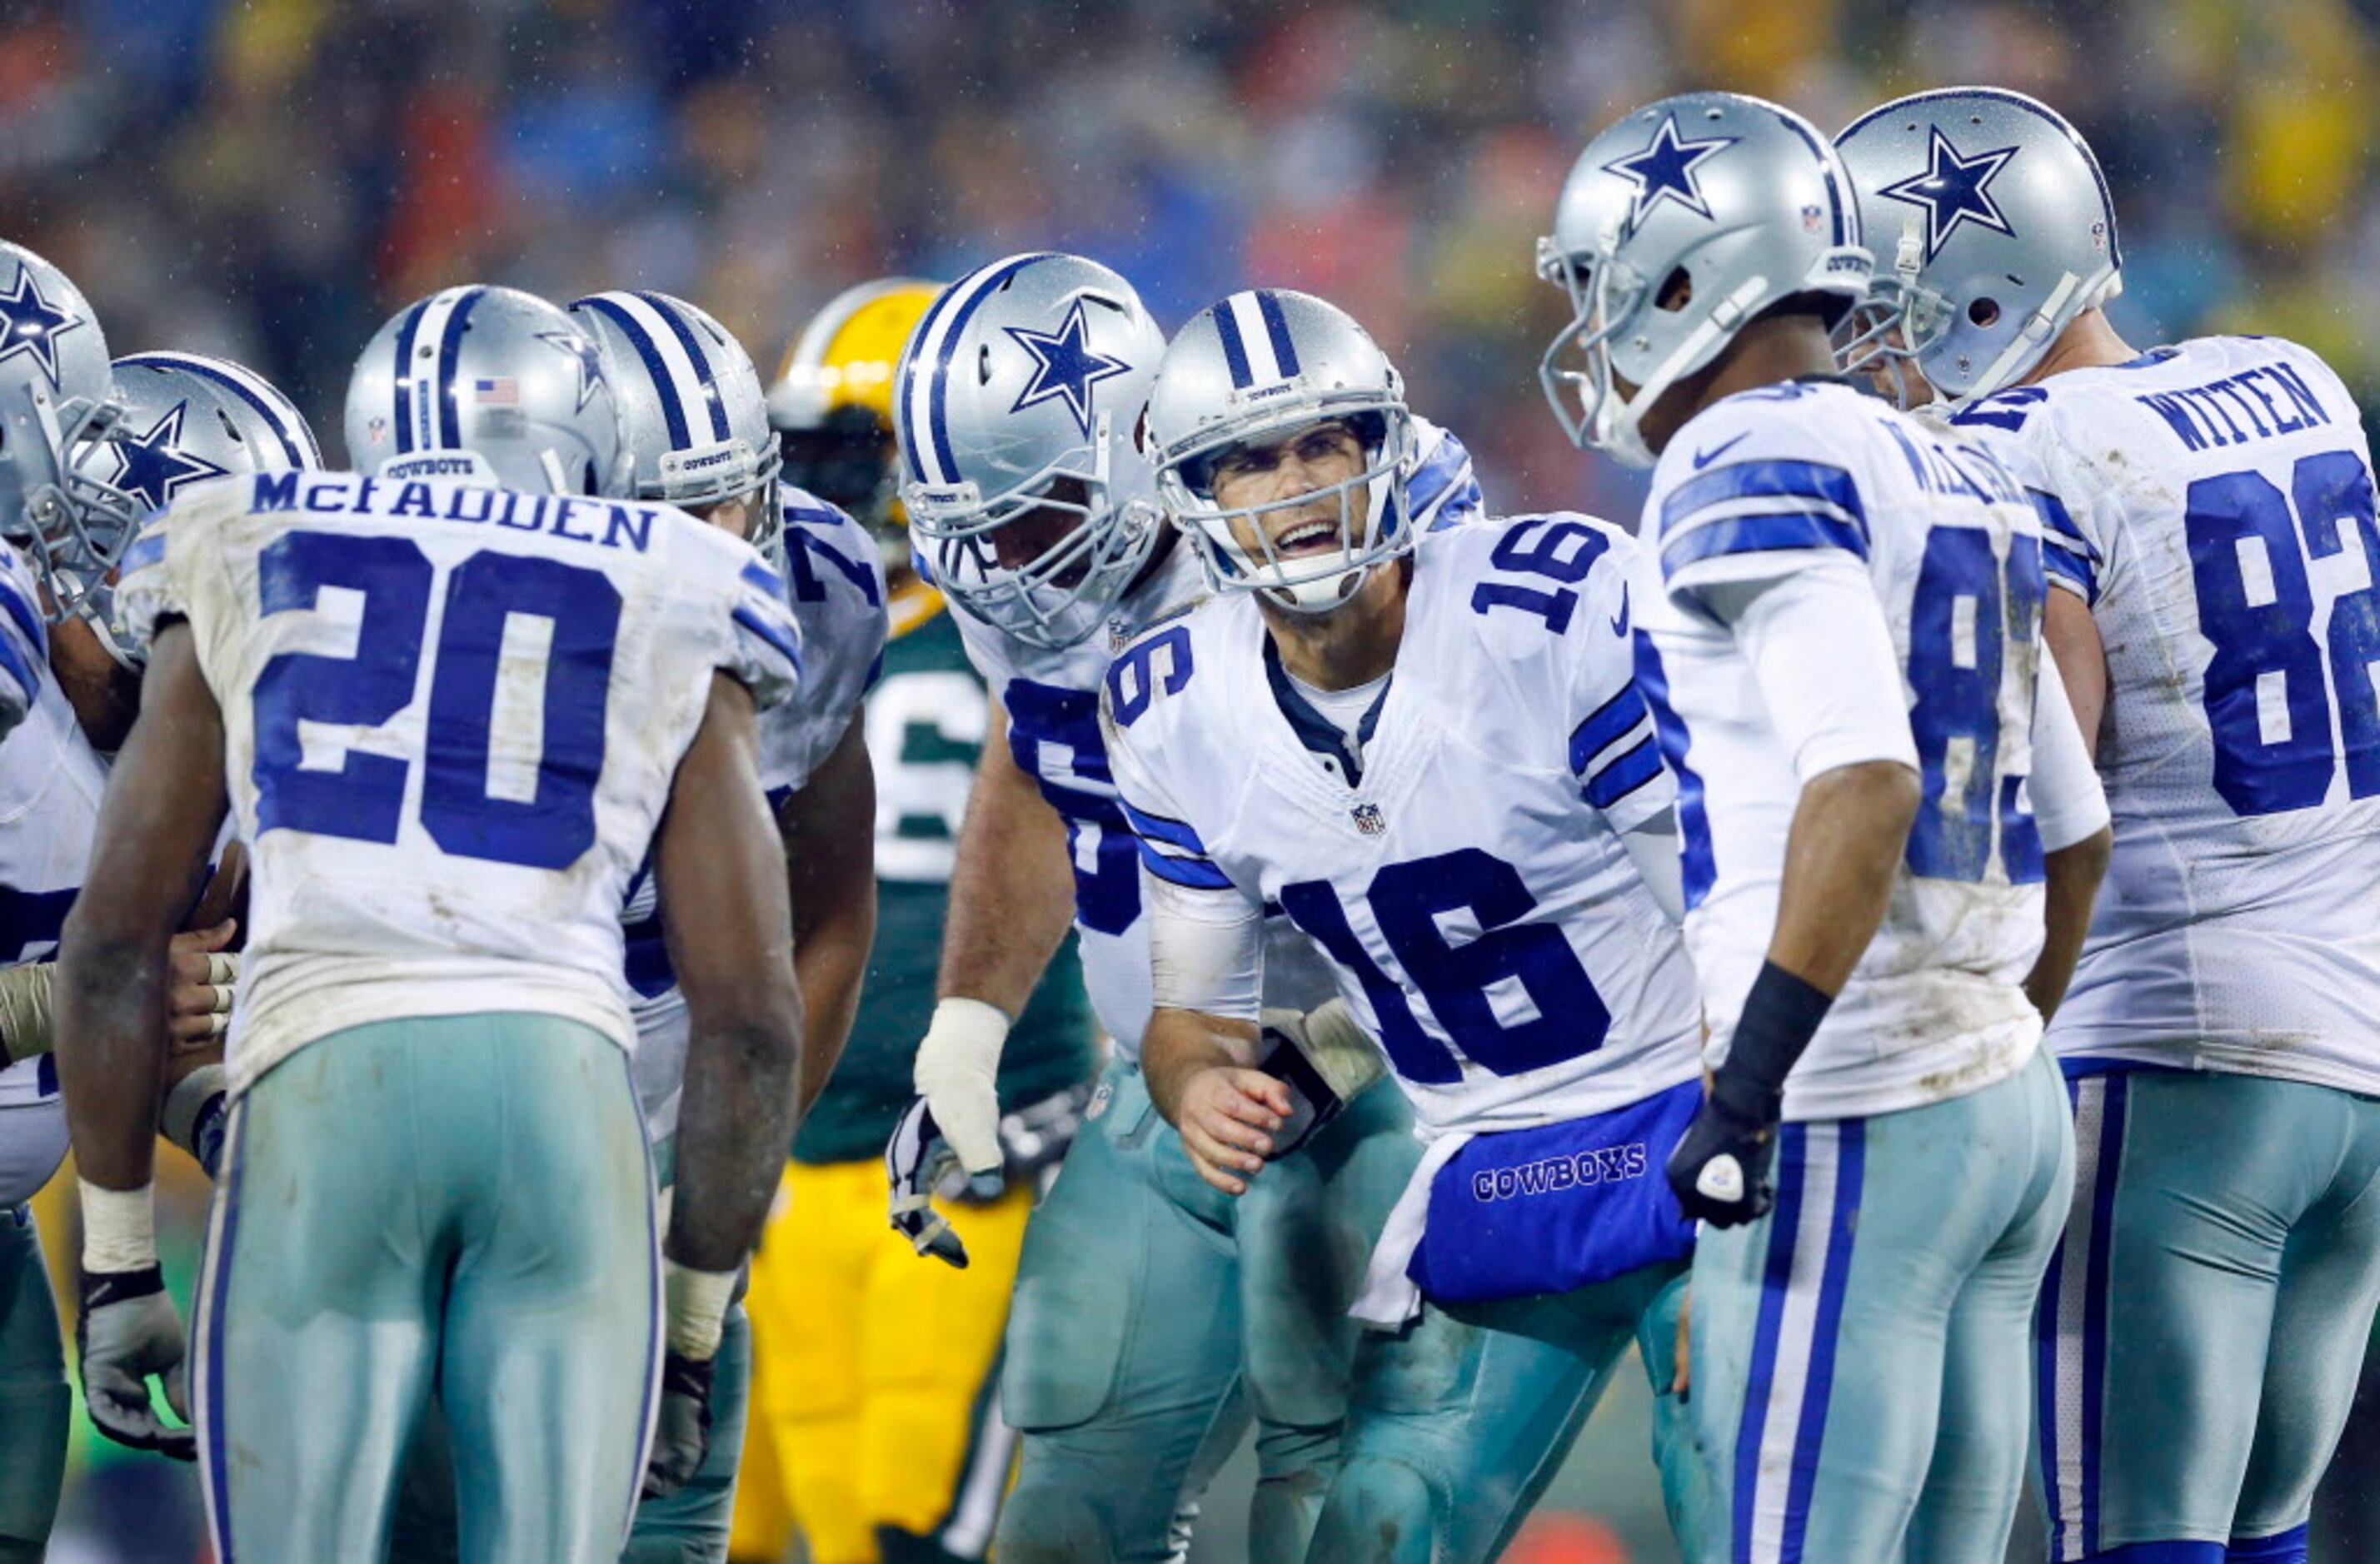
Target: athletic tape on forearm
x=119, y=1227
x=25, y=1009
x=697, y=1308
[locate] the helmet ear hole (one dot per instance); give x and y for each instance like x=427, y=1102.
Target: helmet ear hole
x=1677, y=291
x=1982, y=312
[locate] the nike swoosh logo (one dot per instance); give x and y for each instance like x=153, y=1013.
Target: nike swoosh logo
x=1704, y=458
x=1619, y=624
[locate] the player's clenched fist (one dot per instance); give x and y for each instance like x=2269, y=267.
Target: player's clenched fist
x=1229, y=1116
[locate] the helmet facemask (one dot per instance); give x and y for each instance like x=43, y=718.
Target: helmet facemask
x=72, y=525
x=1237, y=546
x=1059, y=596
x=1605, y=294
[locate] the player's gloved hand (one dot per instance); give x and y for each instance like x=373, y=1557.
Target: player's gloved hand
x=1720, y=1167
x=958, y=1076
x=1324, y=1057
x=917, y=1158
x=682, y=1428
x=128, y=1331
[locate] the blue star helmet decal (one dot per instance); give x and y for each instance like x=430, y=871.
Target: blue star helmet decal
x=1665, y=171
x=590, y=364
x=1066, y=365
x=29, y=323
x=154, y=466
x=1953, y=190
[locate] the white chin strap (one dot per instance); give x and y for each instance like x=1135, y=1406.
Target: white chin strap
x=2041, y=329
x=1615, y=421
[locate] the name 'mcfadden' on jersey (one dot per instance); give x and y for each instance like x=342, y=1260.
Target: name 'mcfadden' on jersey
x=451, y=718
x=2213, y=503
x=1807, y=492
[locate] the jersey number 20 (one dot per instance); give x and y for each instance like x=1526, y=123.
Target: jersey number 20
x=363, y=798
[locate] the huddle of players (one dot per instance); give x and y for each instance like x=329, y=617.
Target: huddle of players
x=1754, y=851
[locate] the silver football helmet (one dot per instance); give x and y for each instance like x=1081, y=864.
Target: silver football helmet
x=1999, y=230
x=691, y=403
x=492, y=384
x=186, y=419
x=70, y=521
x=1016, y=407
x=1253, y=369
x=1738, y=197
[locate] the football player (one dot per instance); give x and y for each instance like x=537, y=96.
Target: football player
x=450, y=702
x=92, y=447
x=1890, y=837
x=697, y=426
x=887, y=1443
x=1151, y=1313
x=1437, y=764
x=2206, y=518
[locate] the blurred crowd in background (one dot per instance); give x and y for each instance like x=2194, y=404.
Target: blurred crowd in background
x=270, y=179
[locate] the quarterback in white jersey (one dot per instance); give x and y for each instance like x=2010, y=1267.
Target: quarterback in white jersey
x=2207, y=523
x=1837, y=632
x=1431, y=755
x=1031, y=508
x=448, y=717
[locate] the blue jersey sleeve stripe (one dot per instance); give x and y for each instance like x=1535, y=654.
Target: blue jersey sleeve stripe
x=773, y=635
x=26, y=617
x=1157, y=828
x=1195, y=873
x=1605, y=726
x=756, y=574
x=2054, y=516
x=1775, y=479
x=13, y=660
x=1624, y=776
x=1761, y=534
x=146, y=551
x=2071, y=566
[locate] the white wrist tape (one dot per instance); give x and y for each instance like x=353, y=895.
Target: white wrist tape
x=697, y=1308
x=119, y=1227
x=25, y=1009
x=188, y=1100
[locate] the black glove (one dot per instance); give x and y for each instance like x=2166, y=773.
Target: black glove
x=1720, y=1167
x=917, y=1161
x=682, y=1431
x=127, y=1332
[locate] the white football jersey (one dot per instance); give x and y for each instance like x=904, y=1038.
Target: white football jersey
x=1770, y=483
x=2213, y=503
x=835, y=584
x=1052, y=701
x=1482, y=919
x=51, y=782
x=24, y=639
x=452, y=716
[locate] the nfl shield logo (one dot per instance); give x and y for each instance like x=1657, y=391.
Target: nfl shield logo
x=1368, y=818
x=1812, y=219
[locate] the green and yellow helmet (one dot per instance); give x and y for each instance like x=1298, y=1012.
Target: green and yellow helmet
x=832, y=403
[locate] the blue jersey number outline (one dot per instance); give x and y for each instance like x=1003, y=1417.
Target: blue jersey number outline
x=364, y=799
x=2329, y=503
x=1407, y=899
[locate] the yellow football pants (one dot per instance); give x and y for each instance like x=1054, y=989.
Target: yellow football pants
x=874, y=1374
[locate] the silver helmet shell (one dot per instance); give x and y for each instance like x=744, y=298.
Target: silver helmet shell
x=1993, y=228
x=56, y=395
x=1017, y=401
x=1744, y=199
x=1255, y=369
x=188, y=419
x=691, y=404
x=488, y=385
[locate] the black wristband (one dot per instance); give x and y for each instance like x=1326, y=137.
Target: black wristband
x=1780, y=1018
x=102, y=1288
